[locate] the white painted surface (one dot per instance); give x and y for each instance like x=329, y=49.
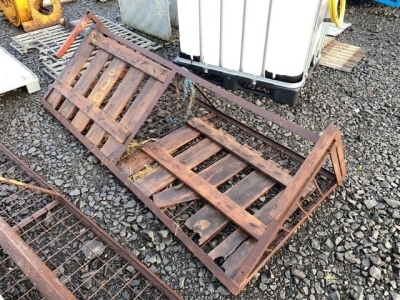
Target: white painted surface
x=13, y=74
x=289, y=37
x=210, y=31
x=256, y=23
x=231, y=33
x=189, y=26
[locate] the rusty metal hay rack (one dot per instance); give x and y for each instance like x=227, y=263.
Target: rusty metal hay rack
x=229, y=191
x=63, y=253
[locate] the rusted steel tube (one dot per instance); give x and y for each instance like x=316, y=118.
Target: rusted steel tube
x=72, y=37
x=28, y=186
x=37, y=272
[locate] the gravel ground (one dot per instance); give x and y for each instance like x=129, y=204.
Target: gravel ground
x=349, y=249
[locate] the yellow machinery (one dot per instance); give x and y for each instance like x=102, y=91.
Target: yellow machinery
x=30, y=13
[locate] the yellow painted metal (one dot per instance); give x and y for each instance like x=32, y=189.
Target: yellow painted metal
x=26, y=13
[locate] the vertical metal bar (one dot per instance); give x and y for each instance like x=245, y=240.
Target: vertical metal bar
x=220, y=33
x=266, y=40
x=200, y=34
x=243, y=35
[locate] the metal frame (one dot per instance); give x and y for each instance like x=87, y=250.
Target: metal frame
x=34, y=268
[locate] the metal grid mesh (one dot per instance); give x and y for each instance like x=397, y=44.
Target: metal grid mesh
x=89, y=267
x=50, y=39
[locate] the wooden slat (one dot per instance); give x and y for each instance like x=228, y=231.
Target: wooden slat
x=169, y=143
x=193, y=156
x=85, y=81
x=267, y=167
x=216, y=174
x=129, y=55
x=226, y=206
x=132, y=119
x=93, y=112
x=208, y=221
x=71, y=70
x=126, y=89
x=229, y=245
x=235, y=262
x=340, y=154
x=100, y=91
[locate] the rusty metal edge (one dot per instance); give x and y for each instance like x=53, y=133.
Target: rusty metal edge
x=138, y=265
x=293, y=127
x=31, y=265
x=173, y=227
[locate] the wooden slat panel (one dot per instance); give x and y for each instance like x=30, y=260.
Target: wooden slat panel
x=93, y=112
x=208, y=221
x=193, y=156
x=100, y=91
x=216, y=174
x=129, y=55
x=267, y=167
x=126, y=89
x=169, y=143
x=226, y=206
x=71, y=70
x=85, y=81
x=132, y=119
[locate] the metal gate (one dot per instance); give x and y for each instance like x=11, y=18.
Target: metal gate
x=229, y=192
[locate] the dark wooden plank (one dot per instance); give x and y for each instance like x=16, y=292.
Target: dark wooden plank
x=72, y=69
x=216, y=174
x=229, y=245
x=85, y=81
x=126, y=89
x=132, y=119
x=267, y=167
x=131, y=56
x=169, y=143
x=100, y=91
x=208, y=221
x=92, y=111
x=160, y=178
x=226, y=206
x=235, y=263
